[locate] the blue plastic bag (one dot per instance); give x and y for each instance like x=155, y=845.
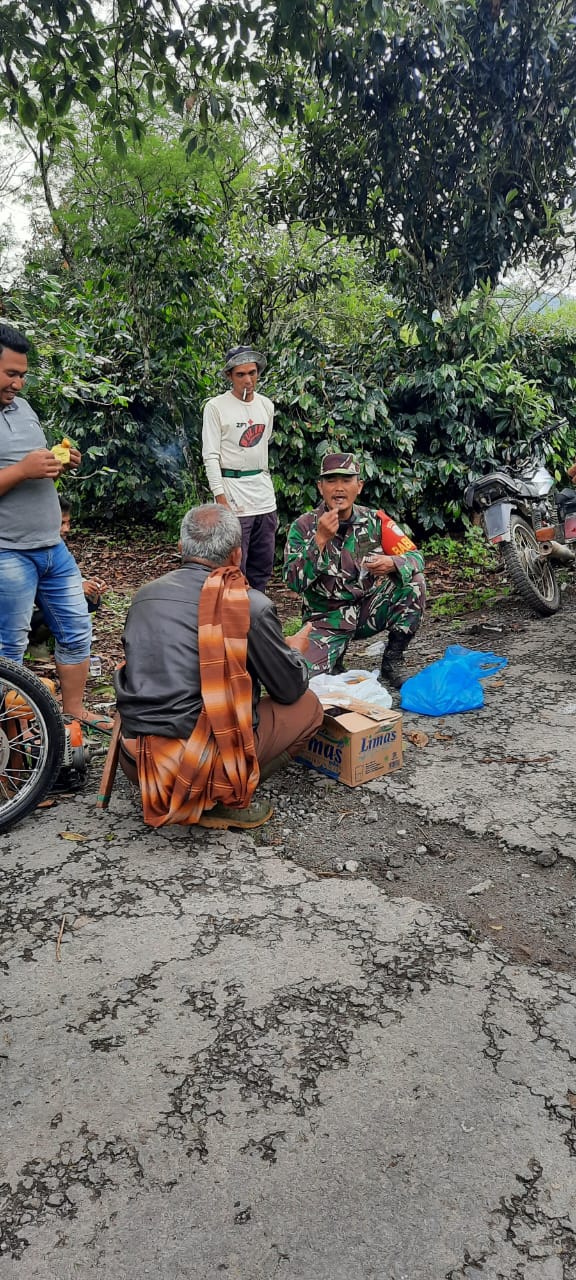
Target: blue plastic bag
x=452, y=684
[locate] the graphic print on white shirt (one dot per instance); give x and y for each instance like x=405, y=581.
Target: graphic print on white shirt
x=235, y=437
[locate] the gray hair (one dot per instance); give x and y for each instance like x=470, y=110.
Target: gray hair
x=210, y=533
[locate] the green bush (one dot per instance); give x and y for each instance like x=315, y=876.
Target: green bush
x=467, y=554
x=426, y=406
x=122, y=356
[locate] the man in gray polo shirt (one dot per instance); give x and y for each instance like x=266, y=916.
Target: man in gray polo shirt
x=34, y=561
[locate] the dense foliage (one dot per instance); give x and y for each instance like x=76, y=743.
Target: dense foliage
x=426, y=408
x=434, y=147
x=120, y=354
x=167, y=267
x=440, y=135
x=455, y=142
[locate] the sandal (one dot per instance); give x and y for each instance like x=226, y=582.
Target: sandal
x=100, y=724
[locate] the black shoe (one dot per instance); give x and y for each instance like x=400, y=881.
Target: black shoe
x=392, y=667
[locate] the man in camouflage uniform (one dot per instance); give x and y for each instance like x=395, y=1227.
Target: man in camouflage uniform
x=358, y=572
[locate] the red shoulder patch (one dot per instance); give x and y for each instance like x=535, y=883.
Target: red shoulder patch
x=394, y=541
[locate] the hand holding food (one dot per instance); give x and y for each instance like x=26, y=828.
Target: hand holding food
x=40, y=464
x=93, y=589
x=378, y=565
x=62, y=451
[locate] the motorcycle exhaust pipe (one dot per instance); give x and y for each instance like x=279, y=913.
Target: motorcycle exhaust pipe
x=558, y=552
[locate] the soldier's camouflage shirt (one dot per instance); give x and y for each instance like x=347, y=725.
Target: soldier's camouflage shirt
x=332, y=578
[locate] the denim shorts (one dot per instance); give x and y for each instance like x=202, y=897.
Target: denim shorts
x=52, y=576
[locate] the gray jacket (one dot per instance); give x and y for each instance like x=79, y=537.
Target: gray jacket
x=158, y=690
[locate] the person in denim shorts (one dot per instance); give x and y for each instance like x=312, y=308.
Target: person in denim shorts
x=34, y=561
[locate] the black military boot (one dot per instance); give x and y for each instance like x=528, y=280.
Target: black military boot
x=392, y=671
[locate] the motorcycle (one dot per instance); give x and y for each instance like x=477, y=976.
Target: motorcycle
x=38, y=749
x=529, y=521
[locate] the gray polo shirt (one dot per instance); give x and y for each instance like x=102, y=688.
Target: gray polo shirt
x=30, y=515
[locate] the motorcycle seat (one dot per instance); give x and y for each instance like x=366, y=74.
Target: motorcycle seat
x=503, y=481
x=566, y=501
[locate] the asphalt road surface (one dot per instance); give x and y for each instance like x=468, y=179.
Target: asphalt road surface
x=245, y=1062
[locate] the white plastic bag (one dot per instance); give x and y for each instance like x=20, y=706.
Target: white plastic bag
x=351, y=686
x=375, y=650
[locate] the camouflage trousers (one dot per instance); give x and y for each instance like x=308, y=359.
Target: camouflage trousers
x=390, y=606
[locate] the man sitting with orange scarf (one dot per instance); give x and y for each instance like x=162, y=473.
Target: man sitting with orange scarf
x=199, y=643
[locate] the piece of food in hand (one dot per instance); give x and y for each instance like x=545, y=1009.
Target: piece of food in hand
x=62, y=451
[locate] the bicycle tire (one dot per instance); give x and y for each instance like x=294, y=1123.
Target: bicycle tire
x=39, y=750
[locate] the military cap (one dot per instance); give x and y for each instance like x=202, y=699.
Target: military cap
x=339, y=464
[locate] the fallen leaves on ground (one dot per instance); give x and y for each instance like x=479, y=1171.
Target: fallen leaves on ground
x=418, y=739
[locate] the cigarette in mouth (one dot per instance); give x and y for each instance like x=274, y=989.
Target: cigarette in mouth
x=245, y=393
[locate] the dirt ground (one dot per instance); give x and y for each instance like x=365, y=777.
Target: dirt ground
x=530, y=910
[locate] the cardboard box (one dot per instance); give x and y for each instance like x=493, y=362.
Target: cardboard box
x=355, y=743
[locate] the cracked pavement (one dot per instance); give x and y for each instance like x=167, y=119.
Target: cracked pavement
x=522, y=759
x=241, y=1069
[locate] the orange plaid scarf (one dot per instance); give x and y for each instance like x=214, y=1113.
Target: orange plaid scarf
x=180, y=779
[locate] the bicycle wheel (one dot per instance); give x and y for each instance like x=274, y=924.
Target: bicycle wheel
x=32, y=738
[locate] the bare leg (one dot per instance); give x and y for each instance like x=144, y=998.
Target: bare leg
x=73, y=677
x=73, y=684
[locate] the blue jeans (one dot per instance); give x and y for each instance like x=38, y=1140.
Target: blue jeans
x=52, y=576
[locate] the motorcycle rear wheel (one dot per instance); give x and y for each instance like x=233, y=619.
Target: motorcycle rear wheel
x=531, y=575
x=32, y=739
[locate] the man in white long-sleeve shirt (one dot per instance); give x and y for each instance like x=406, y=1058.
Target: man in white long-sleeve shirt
x=235, y=433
